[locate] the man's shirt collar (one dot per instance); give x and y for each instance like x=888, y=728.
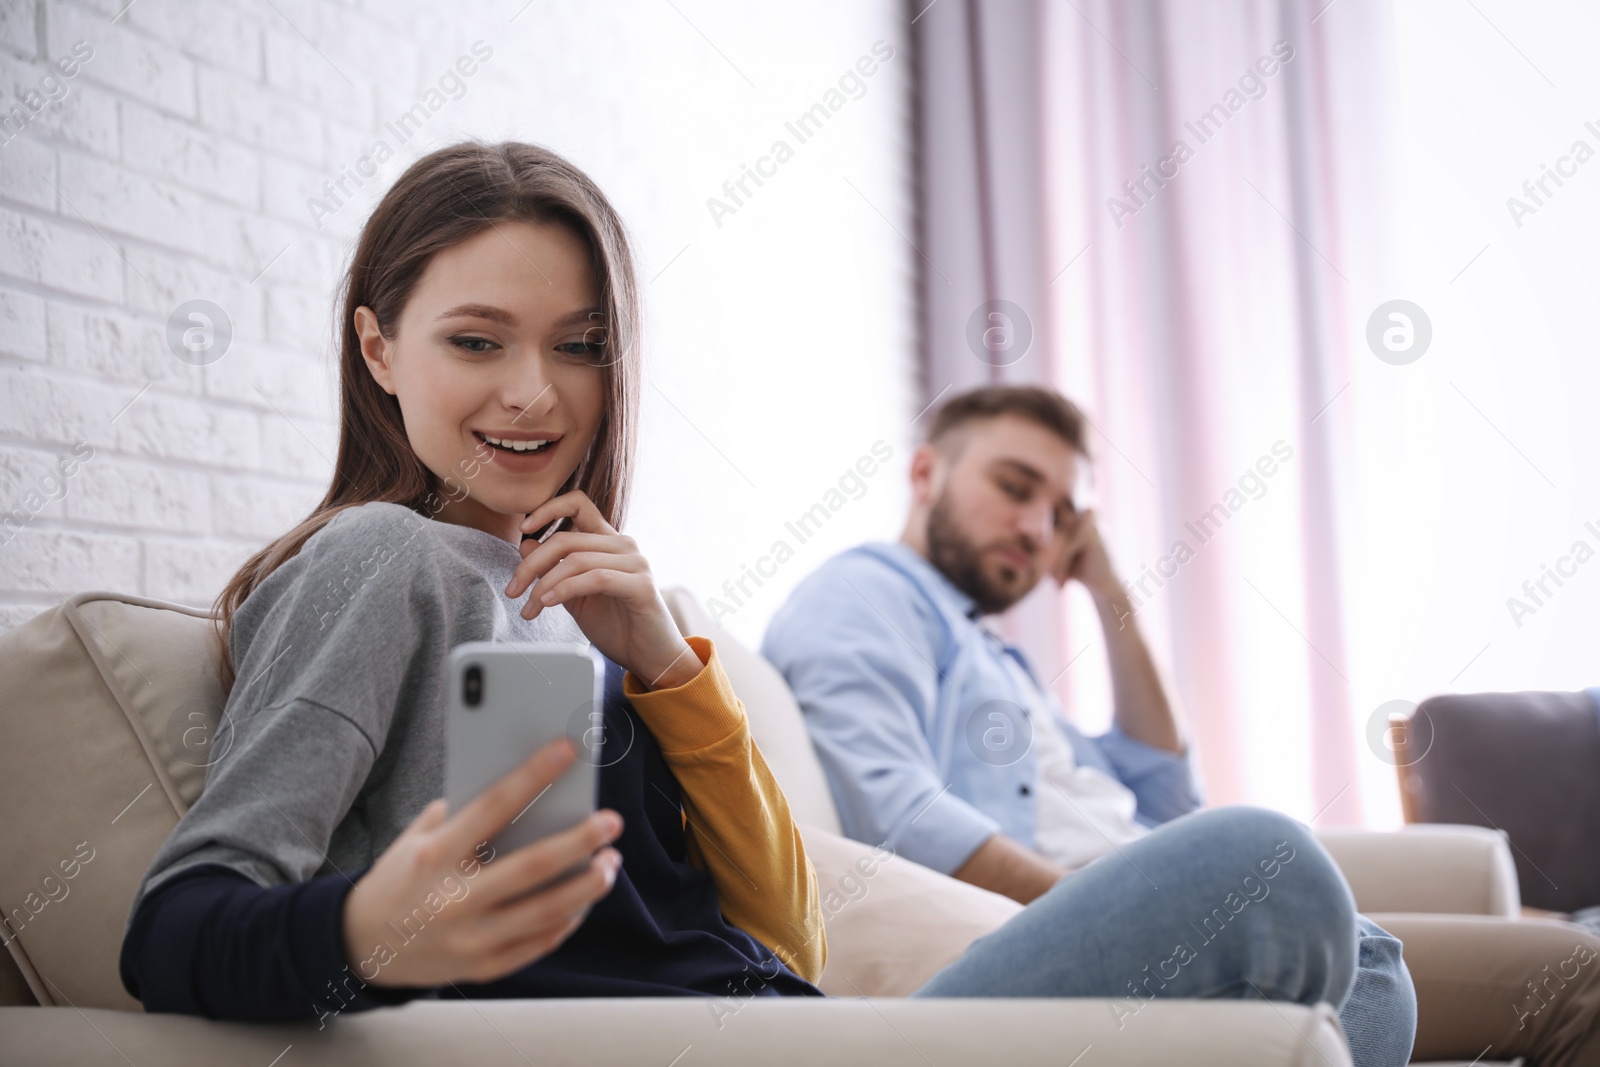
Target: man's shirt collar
x=935, y=581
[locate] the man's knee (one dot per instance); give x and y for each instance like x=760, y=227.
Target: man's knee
x=1271, y=849
x=1284, y=889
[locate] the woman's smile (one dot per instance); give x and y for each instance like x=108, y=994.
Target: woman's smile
x=519, y=452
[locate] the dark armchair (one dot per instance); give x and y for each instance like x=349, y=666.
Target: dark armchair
x=1524, y=763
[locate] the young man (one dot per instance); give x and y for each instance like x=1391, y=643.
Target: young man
x=939, y=741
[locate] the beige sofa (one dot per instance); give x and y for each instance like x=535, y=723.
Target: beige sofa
x=108, y=714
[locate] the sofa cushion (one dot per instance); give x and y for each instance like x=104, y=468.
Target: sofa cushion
x=775, y=720
x=892, y=923
x=108, y=703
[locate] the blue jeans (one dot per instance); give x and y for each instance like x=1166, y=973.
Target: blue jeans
x=1232, y=902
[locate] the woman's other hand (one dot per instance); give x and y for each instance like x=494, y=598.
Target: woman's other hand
x=606, y=584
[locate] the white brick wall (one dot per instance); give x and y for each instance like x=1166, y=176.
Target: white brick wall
x=178, y=166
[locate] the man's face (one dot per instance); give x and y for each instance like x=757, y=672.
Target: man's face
x=1002, y=508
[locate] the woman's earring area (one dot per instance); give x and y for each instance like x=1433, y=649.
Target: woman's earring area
x=549, y=531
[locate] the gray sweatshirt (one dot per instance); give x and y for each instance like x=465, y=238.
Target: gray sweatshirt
x=331, y=740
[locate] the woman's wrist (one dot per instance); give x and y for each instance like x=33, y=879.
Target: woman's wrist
x=681, y=669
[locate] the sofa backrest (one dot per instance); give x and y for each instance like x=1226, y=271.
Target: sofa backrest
x=775, y=720
x=108, y=707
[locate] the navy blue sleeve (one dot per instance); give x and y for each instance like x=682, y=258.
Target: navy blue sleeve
x=209, y=941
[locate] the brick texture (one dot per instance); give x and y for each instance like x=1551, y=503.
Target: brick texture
x=177, y=161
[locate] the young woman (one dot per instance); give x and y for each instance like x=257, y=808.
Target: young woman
x=489, y=379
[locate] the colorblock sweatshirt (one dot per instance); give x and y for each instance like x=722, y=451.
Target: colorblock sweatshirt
x=332, y=741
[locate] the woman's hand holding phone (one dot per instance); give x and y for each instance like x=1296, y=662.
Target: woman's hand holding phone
x=490, y=924
x=604, y=581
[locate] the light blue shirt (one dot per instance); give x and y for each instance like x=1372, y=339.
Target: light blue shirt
x=919, y=724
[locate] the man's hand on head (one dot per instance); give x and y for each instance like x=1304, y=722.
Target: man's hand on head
x=1140, y=706
x=1082, y=557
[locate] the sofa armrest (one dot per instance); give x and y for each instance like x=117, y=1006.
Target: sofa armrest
x=1429, y=867
x=712, y=1031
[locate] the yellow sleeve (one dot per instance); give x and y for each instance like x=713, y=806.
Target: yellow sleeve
x=739, y=826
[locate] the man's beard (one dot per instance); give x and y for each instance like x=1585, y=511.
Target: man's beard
x=959, y=560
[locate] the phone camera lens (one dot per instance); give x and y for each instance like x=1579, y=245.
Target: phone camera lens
x=472, y=686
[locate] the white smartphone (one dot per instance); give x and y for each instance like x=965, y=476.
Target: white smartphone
x=508, y=700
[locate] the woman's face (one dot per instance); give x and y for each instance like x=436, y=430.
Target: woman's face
x=501, y=338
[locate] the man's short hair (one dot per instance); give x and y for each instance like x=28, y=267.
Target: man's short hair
x=1046, y=407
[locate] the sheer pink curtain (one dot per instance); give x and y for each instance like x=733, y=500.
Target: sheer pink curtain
x=1174, y=199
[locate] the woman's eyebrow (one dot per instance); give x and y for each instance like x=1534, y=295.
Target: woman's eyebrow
x=582, y=315
x=480, y=311
x=505, y=318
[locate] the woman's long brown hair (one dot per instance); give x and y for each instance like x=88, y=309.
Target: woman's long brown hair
x=442, y=199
